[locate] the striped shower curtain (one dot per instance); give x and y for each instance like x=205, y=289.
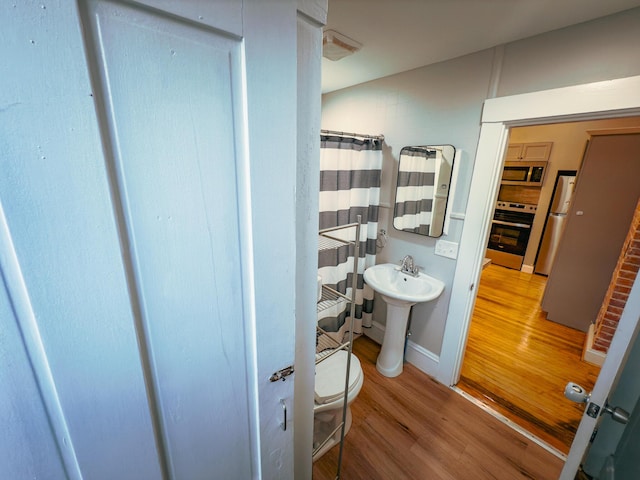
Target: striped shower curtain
x=350, y=170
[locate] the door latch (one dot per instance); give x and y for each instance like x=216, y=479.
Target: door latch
x=282, y=374
x=618, y=414
x=593, y=409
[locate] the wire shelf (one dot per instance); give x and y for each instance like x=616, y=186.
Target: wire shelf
x=330, y=298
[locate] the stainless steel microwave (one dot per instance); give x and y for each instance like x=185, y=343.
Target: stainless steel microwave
x=530, y=174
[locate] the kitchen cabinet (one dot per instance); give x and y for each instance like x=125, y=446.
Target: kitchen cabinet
x=529, y=152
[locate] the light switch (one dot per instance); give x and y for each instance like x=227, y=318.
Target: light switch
x=446, y=249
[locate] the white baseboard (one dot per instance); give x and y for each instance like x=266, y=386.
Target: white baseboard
x=375, y=332
x=526, y=268
x=418, y=356
x=426, y=361
x=590, y=355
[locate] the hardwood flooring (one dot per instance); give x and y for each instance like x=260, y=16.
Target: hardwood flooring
x=518, y=363
x=412, y=427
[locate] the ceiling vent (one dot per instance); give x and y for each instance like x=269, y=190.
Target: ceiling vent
x=336, y=46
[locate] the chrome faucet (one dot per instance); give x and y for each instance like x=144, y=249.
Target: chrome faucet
x=407, y=266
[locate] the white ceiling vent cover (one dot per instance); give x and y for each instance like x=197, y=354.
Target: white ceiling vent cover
x=336, y=46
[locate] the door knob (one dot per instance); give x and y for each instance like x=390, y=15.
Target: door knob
x=576, y=393
x=617, y=414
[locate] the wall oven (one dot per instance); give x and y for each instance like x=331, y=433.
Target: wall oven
x=510, y=231
x=530, y=174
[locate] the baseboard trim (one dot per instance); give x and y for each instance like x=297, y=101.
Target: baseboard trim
x=421, y=358
x=590, y=355
x=527, y=269
x=375, y=332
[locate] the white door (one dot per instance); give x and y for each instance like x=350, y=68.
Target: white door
x=139, y=299
x=621, y=344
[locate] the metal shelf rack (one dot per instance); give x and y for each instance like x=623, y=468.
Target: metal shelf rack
x=327, y=345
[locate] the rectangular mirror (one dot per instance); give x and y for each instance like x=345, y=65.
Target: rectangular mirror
x=424, y=177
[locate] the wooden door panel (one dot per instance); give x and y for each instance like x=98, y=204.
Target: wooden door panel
x=174, y=115
x=55, y=195
x=126, y=190
x=223, y=15
x=32, y=451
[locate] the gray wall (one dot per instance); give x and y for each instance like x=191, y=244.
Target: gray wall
x=589, y=52
x=442, y=103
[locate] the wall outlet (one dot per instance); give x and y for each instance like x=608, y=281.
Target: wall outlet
x=446, y=249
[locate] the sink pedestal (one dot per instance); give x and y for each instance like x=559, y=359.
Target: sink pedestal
x=400, y=291
x=391, y=357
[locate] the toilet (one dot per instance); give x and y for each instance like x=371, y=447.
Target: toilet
x=329, y=398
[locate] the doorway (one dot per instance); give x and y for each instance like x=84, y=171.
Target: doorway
x=517, y=362
x=590, y=101
x=508, y=319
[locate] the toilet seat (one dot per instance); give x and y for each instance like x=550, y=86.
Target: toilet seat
x=330, y=376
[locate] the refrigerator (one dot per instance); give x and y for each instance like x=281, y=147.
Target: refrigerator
x=557, y=217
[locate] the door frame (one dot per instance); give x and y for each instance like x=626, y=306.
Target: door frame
x=600, y=100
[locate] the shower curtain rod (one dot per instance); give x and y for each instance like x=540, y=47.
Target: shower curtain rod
x=349, y=134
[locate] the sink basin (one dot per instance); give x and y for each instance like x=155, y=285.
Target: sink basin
x=399, y=288
x=400, y=292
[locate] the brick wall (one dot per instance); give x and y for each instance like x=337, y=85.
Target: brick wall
x=619, y=288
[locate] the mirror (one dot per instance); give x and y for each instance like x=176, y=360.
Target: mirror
x=424, y=177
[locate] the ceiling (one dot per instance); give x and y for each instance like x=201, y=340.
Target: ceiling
x=400, y=35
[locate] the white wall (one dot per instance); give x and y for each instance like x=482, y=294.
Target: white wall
x=442, y=103
x=312, y=15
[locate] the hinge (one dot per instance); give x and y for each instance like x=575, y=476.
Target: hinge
x=282, y=374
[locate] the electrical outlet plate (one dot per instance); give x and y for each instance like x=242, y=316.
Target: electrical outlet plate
x=446, y=249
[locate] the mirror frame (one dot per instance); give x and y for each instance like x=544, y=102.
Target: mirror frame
x=427, y=187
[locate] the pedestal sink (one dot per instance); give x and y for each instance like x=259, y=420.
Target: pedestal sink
x=400, y=291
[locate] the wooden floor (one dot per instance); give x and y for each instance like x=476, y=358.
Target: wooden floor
x=518, y=362
x=411, y=427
